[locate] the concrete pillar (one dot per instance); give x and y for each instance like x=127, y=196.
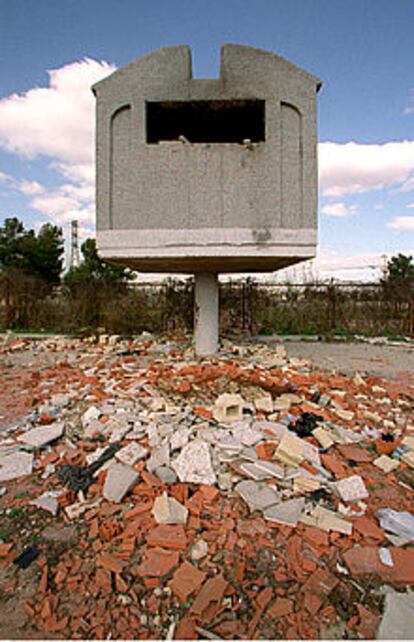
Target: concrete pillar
x=206, y=313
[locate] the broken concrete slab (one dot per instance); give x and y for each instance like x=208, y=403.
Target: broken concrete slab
x=246, y=435
x=48, y=502
x=15, y=465
x=352, y=489
x=94, y=427
x=180, y=438
x=194, y=464
x=398, y=620
x=167, y=510
x=257, y=496
x=42, y=436
x=288, y=512
x=119, y=480
x=199, y=550
x=131, y=454
x=166, y=474
x=93, y=413
x=228, y=408
x=159, y=457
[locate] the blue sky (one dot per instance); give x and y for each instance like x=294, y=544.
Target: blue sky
x=363, y=50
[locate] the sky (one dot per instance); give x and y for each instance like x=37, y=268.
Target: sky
x=51, y=52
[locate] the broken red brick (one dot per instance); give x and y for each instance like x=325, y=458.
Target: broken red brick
x=186, y=580
x=186, y=629
x=103, y=579
x=158, y=562
x=168, y=536
x=365, y=560
x=5, y=549
x=208, y=600
x=368, y=528
x=265, y=451
x=109, y=562
x=280, y=607
x=355, y=453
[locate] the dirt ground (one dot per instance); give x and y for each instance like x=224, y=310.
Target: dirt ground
x=346, y=358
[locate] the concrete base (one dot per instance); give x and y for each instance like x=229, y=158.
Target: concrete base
x=206, y=313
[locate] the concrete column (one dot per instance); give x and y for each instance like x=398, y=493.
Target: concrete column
x=206, y=313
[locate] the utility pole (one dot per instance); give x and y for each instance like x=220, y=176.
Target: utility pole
x=74, y=246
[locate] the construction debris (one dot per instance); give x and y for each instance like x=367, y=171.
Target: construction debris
x=241, y=496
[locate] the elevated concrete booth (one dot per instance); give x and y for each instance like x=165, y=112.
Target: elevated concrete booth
x=207, y=176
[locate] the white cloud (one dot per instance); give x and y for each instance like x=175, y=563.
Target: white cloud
x=338, y=209
x=30, y=187
x=351, y=168
x=5, y=178
x=402, y=223
x=410, y=205
x=57, y=122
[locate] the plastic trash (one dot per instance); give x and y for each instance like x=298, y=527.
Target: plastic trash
x=29, y=555
x=305, y=424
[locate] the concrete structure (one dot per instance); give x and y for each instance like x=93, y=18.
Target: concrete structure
x=207, y=176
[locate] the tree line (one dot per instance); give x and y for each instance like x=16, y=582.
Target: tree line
x=36, y=293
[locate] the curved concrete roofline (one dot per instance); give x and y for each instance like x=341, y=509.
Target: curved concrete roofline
x=185, y=51
x=145, y=59
x=256, y=51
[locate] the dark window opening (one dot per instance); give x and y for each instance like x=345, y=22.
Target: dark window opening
x=206, y=121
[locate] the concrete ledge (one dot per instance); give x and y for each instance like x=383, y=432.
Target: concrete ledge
x=258, y=239
x=208, y=249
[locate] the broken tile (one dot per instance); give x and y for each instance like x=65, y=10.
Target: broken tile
x=323, y=436
x=386, y=464
x=290, y=450
x=408, y=458
x=264, y=403
x=327, y=520
x=400, y=523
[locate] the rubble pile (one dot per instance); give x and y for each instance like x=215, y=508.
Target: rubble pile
x=241, y=496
